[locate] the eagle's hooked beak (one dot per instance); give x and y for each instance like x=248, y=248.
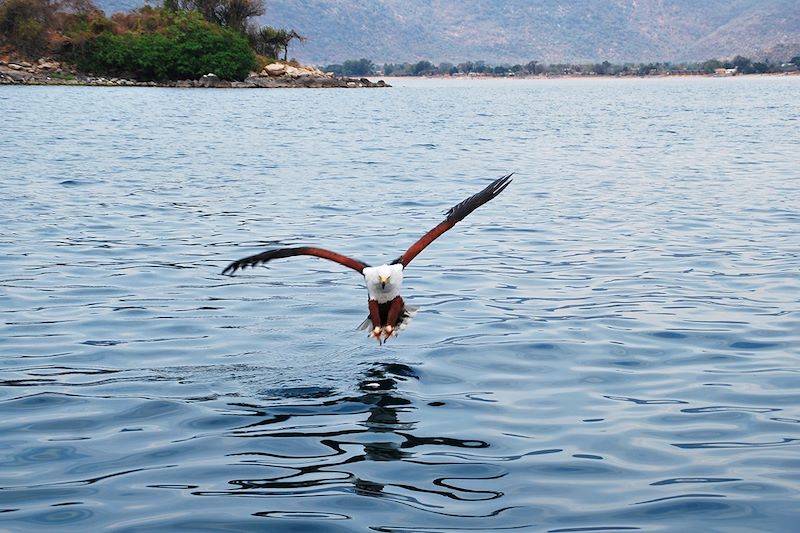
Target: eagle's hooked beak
x=384, y=280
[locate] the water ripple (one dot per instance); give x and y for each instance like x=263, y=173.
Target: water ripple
x=608, y=346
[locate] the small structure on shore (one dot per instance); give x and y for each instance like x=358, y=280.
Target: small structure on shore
x=726, y=71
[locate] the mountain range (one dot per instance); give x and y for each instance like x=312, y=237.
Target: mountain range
x=518, y=31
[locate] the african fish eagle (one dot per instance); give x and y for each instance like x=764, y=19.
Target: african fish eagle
x=387, y=311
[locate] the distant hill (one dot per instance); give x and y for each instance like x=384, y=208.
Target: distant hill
x=517, y=31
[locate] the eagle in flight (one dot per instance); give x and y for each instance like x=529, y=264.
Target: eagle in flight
x=387, y=310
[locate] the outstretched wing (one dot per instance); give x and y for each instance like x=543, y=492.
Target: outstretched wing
x=280, y=253
x=455, y=215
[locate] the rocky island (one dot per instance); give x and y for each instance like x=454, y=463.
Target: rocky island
x=48, y=71
x=182, y=43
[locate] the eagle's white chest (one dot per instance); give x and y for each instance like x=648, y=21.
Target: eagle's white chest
x=383, y=282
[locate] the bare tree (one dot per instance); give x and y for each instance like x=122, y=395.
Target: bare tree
x=270, y=42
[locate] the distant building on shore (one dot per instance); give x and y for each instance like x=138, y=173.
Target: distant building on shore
x=726, y=71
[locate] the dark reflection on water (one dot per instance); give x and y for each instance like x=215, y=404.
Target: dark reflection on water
x=380, y=437
x=609, y=346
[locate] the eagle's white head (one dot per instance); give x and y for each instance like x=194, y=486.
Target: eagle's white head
x=383, y=282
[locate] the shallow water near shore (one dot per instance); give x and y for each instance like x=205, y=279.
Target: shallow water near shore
x=610, y=345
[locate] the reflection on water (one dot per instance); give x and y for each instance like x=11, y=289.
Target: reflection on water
x=381, y=436
x=608, y=346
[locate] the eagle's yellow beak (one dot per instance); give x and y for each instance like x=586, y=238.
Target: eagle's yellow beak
x=384, y=280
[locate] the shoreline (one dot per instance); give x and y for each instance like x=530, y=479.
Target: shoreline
x=259, y=82
x=276, y=75
x=591, y=77
x=280, y=75
x=337, y=83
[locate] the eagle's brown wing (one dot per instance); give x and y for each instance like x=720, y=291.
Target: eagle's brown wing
x=280, y=253
x=455, y=215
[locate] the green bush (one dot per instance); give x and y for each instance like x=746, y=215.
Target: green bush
x=184, y=46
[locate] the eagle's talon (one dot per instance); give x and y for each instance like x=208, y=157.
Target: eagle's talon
x=388, y=331
x=376, y=332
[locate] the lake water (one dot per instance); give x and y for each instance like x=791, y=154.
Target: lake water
x=613, y=344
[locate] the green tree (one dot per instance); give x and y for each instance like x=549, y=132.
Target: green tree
x=603, y=68
x=742, y=64
x=466, y=67
x=447, y=68
x=358, y=67
x=500, y=70
x=481, y=67
x=650, y=68
x=423, y=67
x=762, y=67
x=711, y=65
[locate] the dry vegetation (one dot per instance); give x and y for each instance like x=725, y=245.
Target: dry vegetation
x=183, y=39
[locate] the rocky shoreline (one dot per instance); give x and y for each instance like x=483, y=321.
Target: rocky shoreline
x=274, y=76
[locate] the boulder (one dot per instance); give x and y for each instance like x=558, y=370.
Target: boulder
x=329, y=82
x=211, y=80
x=47, y=64
x=265, y=82
x=16, y=77
x=293, y=72
x=274, y=69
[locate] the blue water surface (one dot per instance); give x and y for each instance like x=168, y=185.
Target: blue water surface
x=610, y=345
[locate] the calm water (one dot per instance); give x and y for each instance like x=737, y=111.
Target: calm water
x=611, y=345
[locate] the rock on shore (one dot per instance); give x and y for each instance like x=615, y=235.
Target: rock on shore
x=47, y=71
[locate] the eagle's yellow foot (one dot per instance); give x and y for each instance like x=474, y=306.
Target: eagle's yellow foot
x=388, y=331
x=376, y=332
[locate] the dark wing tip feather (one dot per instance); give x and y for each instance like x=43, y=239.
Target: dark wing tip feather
x=253, y=260
x=461, y=210
x=231, y=269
